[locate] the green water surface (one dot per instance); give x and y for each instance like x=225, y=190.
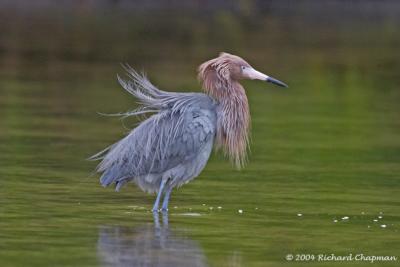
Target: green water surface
x=326, y=148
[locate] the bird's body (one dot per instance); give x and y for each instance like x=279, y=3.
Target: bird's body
x=173, y=145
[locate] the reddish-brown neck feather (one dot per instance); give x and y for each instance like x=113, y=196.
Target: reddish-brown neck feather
x=233, y=114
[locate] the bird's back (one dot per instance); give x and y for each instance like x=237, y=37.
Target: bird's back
x=175, y=142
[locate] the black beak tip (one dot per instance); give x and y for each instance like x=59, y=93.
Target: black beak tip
x=277, y=82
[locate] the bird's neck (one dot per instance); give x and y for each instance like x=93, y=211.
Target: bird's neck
x=233, y=120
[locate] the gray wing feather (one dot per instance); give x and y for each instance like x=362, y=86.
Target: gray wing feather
x=158, y=144
x=183, y=125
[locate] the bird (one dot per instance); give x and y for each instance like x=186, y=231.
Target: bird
x=172, y=145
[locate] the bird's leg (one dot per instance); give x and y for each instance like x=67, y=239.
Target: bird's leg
x=160, y=191
x=166, y=198
x=156, y=220
x=165, y=220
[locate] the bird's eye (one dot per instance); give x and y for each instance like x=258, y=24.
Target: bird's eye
x=243, y=67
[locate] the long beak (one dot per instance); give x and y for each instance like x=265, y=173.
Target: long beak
x=256, y=75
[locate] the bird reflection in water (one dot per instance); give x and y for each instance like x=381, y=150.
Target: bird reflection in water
x=147, y=245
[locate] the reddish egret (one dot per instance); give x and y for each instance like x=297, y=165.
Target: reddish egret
x=172, y=146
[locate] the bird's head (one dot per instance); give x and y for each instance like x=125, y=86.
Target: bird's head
x=228, y=68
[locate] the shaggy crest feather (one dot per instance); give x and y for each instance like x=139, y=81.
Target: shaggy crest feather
x=233, y=125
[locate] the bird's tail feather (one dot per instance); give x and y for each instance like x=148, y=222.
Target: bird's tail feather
x=110, y=176
x=113, y=176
